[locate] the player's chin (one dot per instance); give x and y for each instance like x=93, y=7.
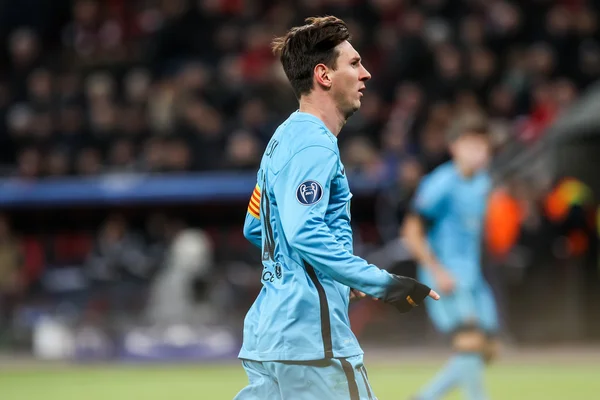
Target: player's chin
x=351, y=110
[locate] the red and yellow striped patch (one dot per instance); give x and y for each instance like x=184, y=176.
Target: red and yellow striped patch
x=254, y=205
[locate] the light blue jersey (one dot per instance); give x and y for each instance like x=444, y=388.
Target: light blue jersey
x=453, y=207
x=299, y=216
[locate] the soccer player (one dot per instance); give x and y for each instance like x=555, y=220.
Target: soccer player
x=297, y=338
x=443, y=231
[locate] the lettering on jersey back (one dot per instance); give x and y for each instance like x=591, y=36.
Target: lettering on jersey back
x=271, y=148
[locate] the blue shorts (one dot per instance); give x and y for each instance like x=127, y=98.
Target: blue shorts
x=332, y=379
x=465, y=307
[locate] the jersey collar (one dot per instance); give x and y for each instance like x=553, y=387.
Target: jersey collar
x=299, y=115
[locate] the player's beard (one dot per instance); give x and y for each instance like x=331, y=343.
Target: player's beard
x=347, y=105
x=350, y=108
x=350, y=112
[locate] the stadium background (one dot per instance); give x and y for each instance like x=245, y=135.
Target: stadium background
x=130, y=134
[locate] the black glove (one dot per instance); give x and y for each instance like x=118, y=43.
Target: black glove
x=406, y=293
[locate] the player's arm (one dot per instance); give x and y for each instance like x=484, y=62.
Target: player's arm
x=415, y=238
x=429, y=204
x=302, y=190
x=252, y=223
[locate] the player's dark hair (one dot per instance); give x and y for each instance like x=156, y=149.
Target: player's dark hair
x=471, y=123
x=304, y=47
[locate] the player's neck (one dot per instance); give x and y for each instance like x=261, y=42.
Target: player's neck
x=325, y=110
x=466, y=173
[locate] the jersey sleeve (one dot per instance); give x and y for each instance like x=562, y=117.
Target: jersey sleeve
x=302, y=190
x=431, y=196
x=252, y=229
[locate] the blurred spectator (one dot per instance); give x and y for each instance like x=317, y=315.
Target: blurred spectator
x=133, y=123
x=433, y=146
x=565, y=93
x=71, y=131
x=558, y=28
x=40, y=88
x=543, y=112
x=362, y=160
x=450, y=73
x=69, y=87
x=100, y=87
x=118, y=255
x=172, y=296
x=23, y=47
x=42, y=129
x=94, y=36
x=121, y=156
x=57, y=164
x=472, y=31
x=501, y=102
x=255, y=117
x=505, y=214
x=541, y=62
x=204, y=126
x=257, y=55
x=177, y=156
x=137, y=86
x=153, y=157
x=159, y=231
x=482, y=71
x=19, y=121
x=29, y=164
x=89, y=162
x=243, y=152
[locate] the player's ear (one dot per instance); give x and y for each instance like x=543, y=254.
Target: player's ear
x=323, y=75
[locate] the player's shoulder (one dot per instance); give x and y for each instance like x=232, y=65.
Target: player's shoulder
x=301, y=135
x=304, y=130
x=484, y=181
x=443, y=174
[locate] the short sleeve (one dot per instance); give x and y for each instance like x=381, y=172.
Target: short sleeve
x=431, y=197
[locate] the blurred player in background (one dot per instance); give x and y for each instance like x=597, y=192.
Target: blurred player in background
x=297, y=338
x=443, y=232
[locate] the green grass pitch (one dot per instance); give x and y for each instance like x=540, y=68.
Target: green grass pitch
x=545, y=381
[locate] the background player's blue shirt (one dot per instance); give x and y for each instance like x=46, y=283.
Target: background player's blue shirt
x=453, y=207
x=303, y=230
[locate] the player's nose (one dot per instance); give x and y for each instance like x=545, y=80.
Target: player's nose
x=365, y=75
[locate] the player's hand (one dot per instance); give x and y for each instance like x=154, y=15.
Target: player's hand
x=445, y=281
x=407, y=293
x=357, y=295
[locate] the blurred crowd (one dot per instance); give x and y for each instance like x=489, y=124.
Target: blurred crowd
x=90, y=87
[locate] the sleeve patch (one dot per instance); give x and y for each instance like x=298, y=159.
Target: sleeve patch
x=309, y=192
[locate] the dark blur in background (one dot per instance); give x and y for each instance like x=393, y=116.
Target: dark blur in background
x=131, y=131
